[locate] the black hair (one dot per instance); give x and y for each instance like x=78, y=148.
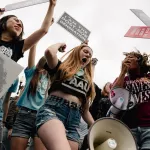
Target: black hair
x=3, y=26
x=143, y=61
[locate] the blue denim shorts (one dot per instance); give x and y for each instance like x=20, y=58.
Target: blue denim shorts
x=24, y=125
x=57, y=108
x=142, y=136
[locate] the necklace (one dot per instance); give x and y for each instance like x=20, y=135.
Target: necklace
x=80, y=72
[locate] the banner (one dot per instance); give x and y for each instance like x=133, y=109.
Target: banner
x=138, y=32
x=9, y=71
x=142, y=16
x=74, y=27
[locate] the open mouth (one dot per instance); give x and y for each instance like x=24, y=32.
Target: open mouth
x=84, y=60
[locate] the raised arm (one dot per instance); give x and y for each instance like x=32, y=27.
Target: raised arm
x=31, y=57
x=37, y=35
x=51, y=54
x=94, y=62
x=120, y=80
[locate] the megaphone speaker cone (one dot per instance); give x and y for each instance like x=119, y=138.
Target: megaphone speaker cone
x=110, y=128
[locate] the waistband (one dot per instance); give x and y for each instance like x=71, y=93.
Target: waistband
x=65, y=101
x=28, y=110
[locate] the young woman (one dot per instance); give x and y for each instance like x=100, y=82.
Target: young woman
x=71, y=90
x=135, y=77
x=32, y=98
x=11, y=42
x=11, y=32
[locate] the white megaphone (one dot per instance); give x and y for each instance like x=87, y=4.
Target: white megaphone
x=110, y=134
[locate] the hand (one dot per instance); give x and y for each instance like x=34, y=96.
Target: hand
x=94, y=61
x=85, y=42
x=9, y=133
x=2, y=11
x=126, y=63
x=62, y=48
x=53, y=2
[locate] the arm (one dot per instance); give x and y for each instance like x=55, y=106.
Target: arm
x=87, y=115
x=125, y=66
x=6, y=105
x=94, y=62
x=37, y=35
x=31, y=57
x=51, y=54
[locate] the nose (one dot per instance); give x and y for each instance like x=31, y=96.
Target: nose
x=19, y=23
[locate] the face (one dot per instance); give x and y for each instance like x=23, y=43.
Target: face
x=134, y=62
x=85, y=56
x=14, y=26
x=107, y=89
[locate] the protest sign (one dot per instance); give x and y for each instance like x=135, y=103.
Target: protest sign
x=23, y=4
x=74, y=27
x=9, y=71
x=138, y=32
x=142, y=16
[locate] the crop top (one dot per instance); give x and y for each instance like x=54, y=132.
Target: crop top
x=77, y=85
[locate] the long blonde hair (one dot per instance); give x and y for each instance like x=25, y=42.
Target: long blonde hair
x=72, y=64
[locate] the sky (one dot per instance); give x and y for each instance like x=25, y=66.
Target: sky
x=108, y=21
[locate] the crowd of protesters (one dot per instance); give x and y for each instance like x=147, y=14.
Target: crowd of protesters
x=60, y=96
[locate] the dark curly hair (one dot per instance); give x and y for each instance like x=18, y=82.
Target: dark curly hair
x=143, y=61
x=3, y=23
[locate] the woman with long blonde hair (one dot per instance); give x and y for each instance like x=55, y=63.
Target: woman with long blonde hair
x=70, y=94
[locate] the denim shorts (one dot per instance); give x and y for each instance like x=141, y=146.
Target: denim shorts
x=56, y=108
x=142, y=136
x=24, y=125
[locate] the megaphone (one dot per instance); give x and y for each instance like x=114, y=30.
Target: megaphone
x=110, y=134
x=122, y=99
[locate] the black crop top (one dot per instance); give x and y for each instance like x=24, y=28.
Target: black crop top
x=76, y=86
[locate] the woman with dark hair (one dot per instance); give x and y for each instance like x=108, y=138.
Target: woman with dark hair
x=11, y=32
x=135, y=77
x=32, y=98
x=71, y=91
x=101, y=103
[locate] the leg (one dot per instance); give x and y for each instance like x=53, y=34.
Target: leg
x=52, y=134
x=74, y=145
x=30, y=144
x=84, y=145
x=6, y=140
x=38, y=145
x=145, y=138
x=18, y=143
x=136, y=135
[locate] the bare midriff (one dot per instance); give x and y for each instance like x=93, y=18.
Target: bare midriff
x=66, y=96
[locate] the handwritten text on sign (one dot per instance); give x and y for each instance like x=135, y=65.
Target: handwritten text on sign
x=74, y=27
x=138, y=32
